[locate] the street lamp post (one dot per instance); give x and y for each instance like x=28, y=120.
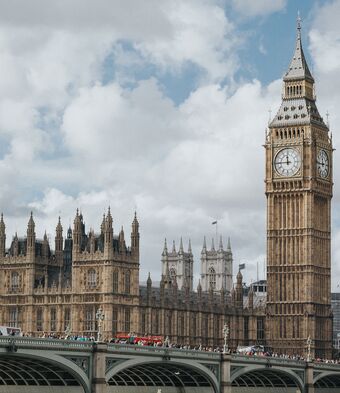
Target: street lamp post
x=100, y=318
x=309, y=343
x=67, y=331
x=225, y=335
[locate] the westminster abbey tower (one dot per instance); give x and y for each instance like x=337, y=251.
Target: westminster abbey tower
x=299, y=191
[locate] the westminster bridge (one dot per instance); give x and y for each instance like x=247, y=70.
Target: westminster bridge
x=30, y=365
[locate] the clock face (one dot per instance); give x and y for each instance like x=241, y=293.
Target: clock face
x=287, y=162
x=322, y=163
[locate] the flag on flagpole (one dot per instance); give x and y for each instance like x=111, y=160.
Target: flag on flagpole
x=241, y=266
x=214, y=222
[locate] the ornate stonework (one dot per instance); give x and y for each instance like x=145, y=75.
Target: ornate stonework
x=299, y=191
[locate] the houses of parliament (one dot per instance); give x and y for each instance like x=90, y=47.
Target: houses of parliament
x=51, y=291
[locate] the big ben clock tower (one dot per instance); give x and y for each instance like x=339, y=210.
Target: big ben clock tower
x=299, y=191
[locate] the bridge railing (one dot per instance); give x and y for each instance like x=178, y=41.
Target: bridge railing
x=45, y=343
x=266, y=360
x=163, y=351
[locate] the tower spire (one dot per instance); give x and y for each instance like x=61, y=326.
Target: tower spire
x=298, y=68
x=298, y=25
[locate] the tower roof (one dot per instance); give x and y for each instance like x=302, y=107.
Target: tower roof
x=298, y=68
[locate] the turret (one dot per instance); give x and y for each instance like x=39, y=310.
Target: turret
x=15, y=245
x=77, y=234
x=165, y=249
x=59, y=242
x=189, y=248
x=239, y=291
x=148, y=290
x=135, y=237
x=122, y=246
x=108, y=235
x=199, y=290
x=220, y=246
x=251, y=298
x=45, y=247
x=212, y=245
x=31, y=238
x=92, y=239
x=204, y=247
x=2, y=237
x=173, y=247
x=181, y=247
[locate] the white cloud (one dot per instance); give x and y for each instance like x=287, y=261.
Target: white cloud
x=72, y=139
x=251, y=8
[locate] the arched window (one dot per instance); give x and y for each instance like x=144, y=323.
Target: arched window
x=13, y=316
x=212, y=278
x=90, y=320
x=173, y=274
x=39, y=319
x=53, y=319
x=92, y=278
x=115, y=281
x=127, y=282
x=14, y=281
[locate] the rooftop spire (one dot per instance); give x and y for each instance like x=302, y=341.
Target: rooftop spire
x=181, y=246
x=173, y=246
x=298, y=25
x=165, y=249
x=298, y=68
x=189, y=247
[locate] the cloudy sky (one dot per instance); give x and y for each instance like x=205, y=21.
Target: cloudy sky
x=159, y=106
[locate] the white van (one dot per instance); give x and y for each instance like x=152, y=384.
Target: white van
x=10, y=331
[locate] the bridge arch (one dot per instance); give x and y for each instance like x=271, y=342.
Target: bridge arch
x=326, y=380
x=27, y=369
x=158, y=372
x=271, y=378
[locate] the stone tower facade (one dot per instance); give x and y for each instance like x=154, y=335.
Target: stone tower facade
x=178, y=266
x=216, y=267
x=299, y=191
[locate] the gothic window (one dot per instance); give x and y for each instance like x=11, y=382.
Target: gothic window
x=193, y=326
x=13, y=317
x=127, y=282
x=168, y=324
x=173, y=274
x=246, y=330
x=127, y=320
x=115, y=281
x=90, y=319
x=92, y=278
x=155, y=328
x=53, y=319
x=14, y=281
x=260, y=329
x=67, y=319
x=143, y=324
x=212, y=277
x=39, y=319
x=114, y=320
x=180, y=326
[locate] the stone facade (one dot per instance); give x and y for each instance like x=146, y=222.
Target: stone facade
x=299, y=191
x=53, y=291
x=217, y=267
x=179, y=264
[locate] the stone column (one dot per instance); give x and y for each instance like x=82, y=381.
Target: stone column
x=309, y=386
x=99, y=384
x=225, y=382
